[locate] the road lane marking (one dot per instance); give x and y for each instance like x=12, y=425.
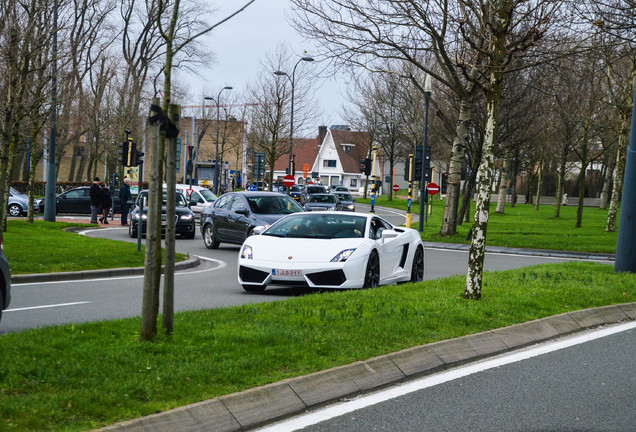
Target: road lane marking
x=339, y=409
x=47, y=306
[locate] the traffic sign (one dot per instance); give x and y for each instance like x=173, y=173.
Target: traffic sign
x=396, y=188
x=289, y=180
x=252, y=188
x=309, y=182
x=432, y=189
x=189, y=192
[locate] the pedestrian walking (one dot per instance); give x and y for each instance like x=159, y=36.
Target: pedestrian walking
x=564, y=200
x=124, y=197
x=95, y=199
x=107, y=203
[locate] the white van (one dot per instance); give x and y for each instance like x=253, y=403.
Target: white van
x=199, y=198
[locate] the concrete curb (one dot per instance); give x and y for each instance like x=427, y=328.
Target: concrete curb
x=93, y=274
x=520, y=251
x=261, y=405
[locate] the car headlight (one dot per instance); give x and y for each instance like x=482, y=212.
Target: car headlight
x=351, y=207
x=343, y=255
x=187, y=217
x=246, y=252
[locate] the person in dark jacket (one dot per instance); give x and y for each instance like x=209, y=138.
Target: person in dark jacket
x=124, y=197
x=107, y=203
x=95, y=195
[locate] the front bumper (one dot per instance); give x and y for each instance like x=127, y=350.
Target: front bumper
x=348, y=274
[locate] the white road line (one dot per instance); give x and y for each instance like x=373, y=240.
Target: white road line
x=47, y=306
x=296, y=423
x=221, y=264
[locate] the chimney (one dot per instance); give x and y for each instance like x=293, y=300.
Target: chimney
x=322, y=133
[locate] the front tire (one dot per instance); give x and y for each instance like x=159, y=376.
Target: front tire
x=132, y=232
x=372, y=272
x=209, y=238
x=254, y=288
x=417, y=269
x=15, y=210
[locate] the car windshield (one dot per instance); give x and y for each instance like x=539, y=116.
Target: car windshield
x=322, y=226
x=344, y=197
x=209, y=196
x=276, y=204
x=329, y=199
x=315, y=189
x=180, y=199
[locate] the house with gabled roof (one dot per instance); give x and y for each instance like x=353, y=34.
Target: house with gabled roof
x=331, y=158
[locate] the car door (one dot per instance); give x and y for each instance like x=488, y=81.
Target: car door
x=196, y=202
x=72, y=201
x=220, y=216
x=390, y=249
x=238, y=223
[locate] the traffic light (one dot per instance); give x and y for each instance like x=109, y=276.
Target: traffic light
x=365, y=166
x=444, y=185
x=136, y=157
x=427, y=163
x=123, y=153
x=293, y=166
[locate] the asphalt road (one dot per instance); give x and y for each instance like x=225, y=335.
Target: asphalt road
x=588, y=386
x=212, y=284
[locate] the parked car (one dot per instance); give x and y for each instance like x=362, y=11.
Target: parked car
x=347, y=201
x=338, y=188
x=185, y=223
x=331, y=250
x=77, y=201
x=5, y=280
x=18, y=203
x=199, y=198
x=323, y=202
x=309, y=190
x=234, y=215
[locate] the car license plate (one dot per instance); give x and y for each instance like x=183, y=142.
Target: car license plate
x=287, y=273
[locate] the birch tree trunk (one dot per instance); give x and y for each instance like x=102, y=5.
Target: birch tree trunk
x=619, y=174
x=449, y=219
x=539, y=184
x=485, y=177
x=504, y=184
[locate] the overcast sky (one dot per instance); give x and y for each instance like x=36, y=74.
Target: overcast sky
x=241, y=44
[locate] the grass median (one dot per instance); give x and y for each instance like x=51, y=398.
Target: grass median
x=83, y=376
x=522, y=226
x=46, y=247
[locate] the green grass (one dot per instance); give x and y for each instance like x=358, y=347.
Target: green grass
x=44, y=247
x=523, y=227
x=83, y=376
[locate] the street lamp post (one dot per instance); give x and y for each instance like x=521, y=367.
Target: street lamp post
x=218, y=119
x=427, y=96
x=292, y=80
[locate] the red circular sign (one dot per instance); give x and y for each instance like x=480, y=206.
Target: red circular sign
x=396, y=188
x=432, y=188
x=289, y=180
x=309, y=182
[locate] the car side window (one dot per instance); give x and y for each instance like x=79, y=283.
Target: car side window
x=238, y=203
x=223, y=202
x=377, y=226
x=196, y=197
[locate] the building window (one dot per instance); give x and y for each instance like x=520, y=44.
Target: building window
x=329, y=163
x=354, y=183
x=347, y=148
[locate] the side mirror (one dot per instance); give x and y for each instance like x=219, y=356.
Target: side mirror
x=244, y=212
x=388, y=234
x=259, y=230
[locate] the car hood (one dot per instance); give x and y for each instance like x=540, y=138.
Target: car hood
x=268, y=248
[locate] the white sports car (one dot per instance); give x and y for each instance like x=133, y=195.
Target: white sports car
x=331, y=250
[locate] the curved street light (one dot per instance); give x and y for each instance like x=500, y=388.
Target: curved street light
x=292, y=80
x=216, y=159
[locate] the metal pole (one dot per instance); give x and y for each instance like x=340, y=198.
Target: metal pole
x=375, y=153
x=49, y=209
x=422, y=174
x=626, y=242
x=409, y=216
x=216, y=158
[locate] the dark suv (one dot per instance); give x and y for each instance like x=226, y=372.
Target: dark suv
x=310, y=190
